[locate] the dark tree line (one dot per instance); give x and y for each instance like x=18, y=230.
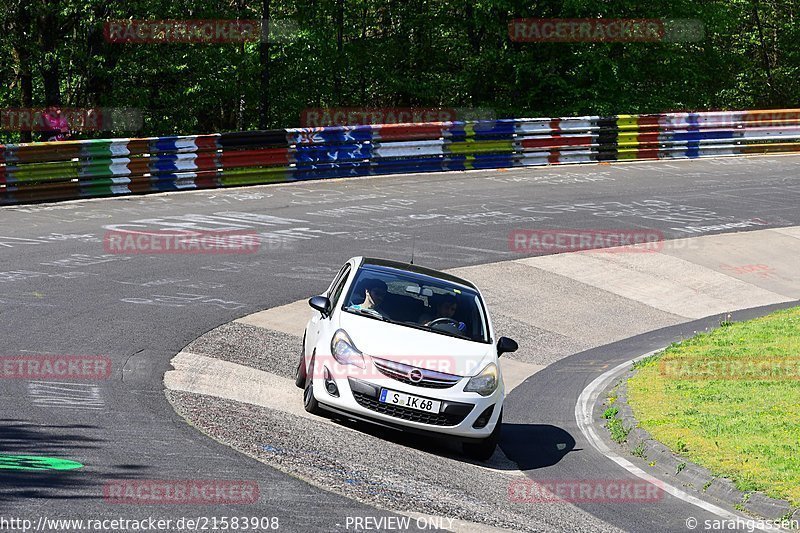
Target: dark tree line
x=424, y=53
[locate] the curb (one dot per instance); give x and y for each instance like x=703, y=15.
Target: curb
x=215, y=376
x=691, y=476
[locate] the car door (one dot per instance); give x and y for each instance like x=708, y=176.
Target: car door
x=317, y=322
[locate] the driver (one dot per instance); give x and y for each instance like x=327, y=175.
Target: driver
x=446, y=308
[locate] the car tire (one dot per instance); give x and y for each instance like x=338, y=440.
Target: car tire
x=482, y=450
x=300, y=373
x=309, y=401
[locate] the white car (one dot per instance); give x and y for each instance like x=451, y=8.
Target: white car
x=406, y=347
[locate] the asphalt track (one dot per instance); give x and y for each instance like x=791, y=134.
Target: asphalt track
x=63, y=294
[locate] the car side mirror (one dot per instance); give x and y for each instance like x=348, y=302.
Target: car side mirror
x=504, y=344
x=321, y=304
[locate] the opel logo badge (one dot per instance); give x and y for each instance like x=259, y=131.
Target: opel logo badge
x=415, y=375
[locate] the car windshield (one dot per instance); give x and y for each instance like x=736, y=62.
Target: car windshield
x=418, y=301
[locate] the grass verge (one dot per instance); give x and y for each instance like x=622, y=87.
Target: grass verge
x=729, y=400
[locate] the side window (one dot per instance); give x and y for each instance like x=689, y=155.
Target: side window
x=338, y=278
x=336, y=292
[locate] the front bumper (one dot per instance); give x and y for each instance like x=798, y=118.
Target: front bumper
x=457, y=416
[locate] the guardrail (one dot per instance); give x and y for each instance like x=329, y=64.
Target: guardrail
x=81, y=169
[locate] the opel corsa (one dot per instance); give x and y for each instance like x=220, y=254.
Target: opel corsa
x=406, y=347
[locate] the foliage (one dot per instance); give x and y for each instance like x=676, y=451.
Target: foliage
x=422, y=53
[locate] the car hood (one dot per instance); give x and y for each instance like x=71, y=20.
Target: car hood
x=417, y=347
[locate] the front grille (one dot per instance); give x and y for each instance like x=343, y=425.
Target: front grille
x=430, y=379
x=404, y=413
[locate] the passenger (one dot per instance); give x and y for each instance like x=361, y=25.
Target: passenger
x=374, y=293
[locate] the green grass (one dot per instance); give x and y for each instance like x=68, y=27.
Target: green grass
x=610, y=413
x=618, y=430
x=614, y=425
x=745, y=427
x=638, y=451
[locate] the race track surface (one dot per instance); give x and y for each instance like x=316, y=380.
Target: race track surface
x=64, y=294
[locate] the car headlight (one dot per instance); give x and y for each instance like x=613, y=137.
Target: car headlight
x=344, y=351
x=486, y=382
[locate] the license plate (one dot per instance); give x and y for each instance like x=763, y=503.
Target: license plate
x=407, y=400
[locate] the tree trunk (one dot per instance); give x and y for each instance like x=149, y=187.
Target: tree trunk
x=97, y=77
x=363, y=41
x=263, y=116
x=339, y=63
x=25, y=77
x=764, y=53
x=51, y=73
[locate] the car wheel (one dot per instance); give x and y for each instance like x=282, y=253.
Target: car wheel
x=309, y=401
x=300, y=373
x=484, y=449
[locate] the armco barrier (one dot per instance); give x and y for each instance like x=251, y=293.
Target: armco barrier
x=81, y=169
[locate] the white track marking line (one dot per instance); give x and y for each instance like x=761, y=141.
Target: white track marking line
x=583, y=416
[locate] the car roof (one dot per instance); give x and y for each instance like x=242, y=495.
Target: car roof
x=385, y=264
